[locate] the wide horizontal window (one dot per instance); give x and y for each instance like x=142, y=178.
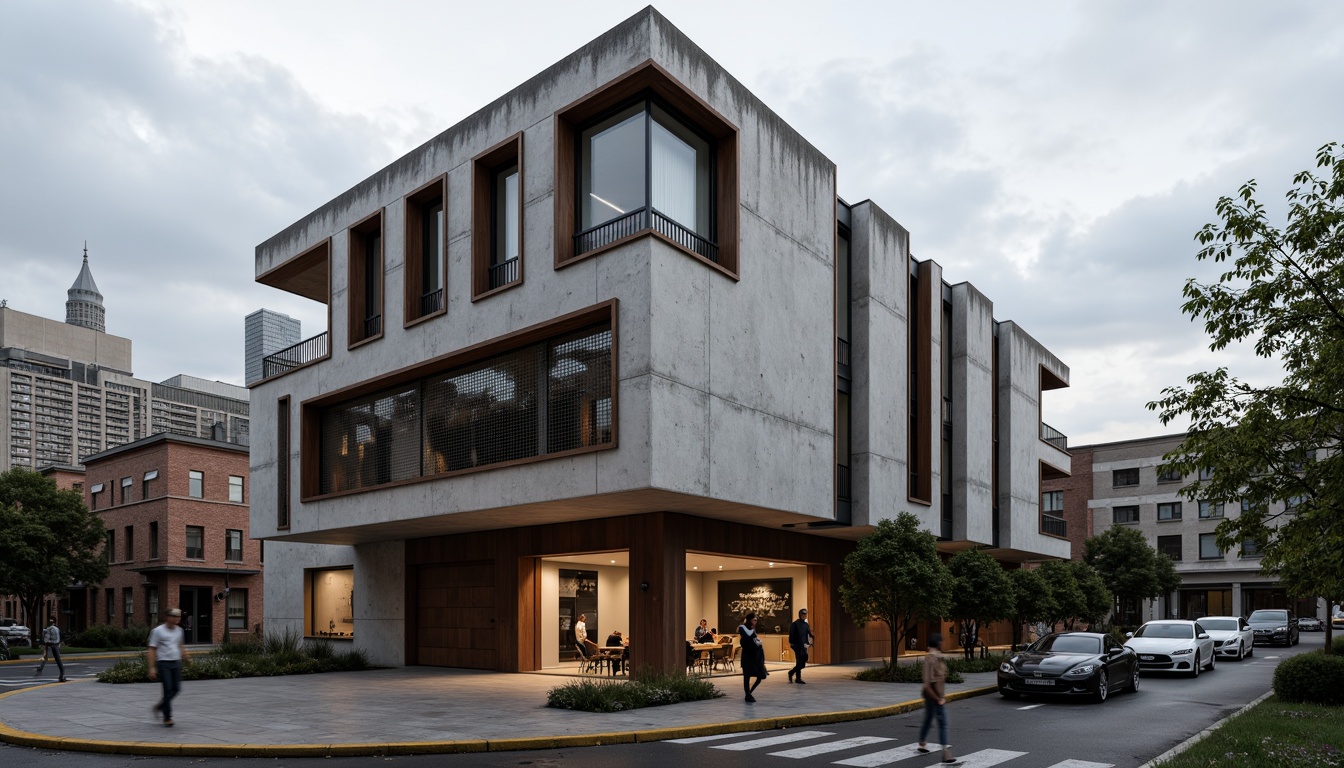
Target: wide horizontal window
x=541, y=399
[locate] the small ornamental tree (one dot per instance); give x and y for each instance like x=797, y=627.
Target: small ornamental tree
x=895, y=576
x=1097, y=597
x=1067, y=601
x=1032, y=600
x=48, y=540
x=1129, y=567
x=981, y=593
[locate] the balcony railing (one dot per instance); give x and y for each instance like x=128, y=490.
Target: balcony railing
x=299, y=355
x=373, y=325
x=637, y=221
x=842, y=358
x=1055, y=526
x=431, y=302
x=1054, y=437
x=842, y=486
x=504, y=273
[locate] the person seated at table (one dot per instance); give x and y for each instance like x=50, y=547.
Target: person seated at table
x=615, y=640
x=703, y=630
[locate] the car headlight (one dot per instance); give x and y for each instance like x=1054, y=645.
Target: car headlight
x=1085, y=669
x=1006, y=667
x=1280, y=629
x=1182, y=651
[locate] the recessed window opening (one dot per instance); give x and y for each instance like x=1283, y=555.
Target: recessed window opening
x=431, y=250
x=506, y=218
x=643, y=168
x=373, y=282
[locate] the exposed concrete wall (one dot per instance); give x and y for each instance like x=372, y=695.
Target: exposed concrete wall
x=286, y=594
x=380, y=603
x=972, y=348
x=57, y=339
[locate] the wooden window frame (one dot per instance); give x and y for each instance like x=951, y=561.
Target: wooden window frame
x=648, y=79
x=283, y=449
x=356, y=287
x=483, y=169
x=417, y=203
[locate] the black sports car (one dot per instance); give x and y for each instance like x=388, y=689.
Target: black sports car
x=1083, y=663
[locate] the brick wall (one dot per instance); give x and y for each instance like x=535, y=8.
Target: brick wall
x=1077, y=490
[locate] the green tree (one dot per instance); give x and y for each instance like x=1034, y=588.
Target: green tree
x=1097, y=597
x=981, y=593
x=1276, y=445
x=1067, y=599
x=1032, y=600
x=895, y=576
x=1129, y=567
x=48, y=540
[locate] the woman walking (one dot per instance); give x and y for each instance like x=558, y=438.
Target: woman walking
x=753, y=656
x=935, y=690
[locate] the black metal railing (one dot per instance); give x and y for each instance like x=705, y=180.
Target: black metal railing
x=637, y=221
x=1054, y=437
x=295, y=356
x=945, y=521
x=1055, y=526
x=373, y=325
x=431, y=302
x=842, y=483
x=504, y=273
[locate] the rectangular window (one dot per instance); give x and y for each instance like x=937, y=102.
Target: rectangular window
x=125, y=490
x=110, y=604
x=235, y=489
x=546, y=398
x=1169, y=510
x=1126, y=514
x=233, y=544
x=425, y=254
x=195, y=542
x=153, y=541
x=110, y=551
x=282, y=460
x=1250, y=548
x=93, y=495
x=153, y=474
x=237, y=610
x=1205, y=473
x=366, y=279
x=130, y=543
x=1170, y=546
x=643, y=157
x=1208, y=547
x=1052, y=501
x=152, y=604
x=1168, y=474
x=1210, y=509
x=127, y=605
x=196, y=484
x=330, y=593
x=1122, y=478
x=497, y=218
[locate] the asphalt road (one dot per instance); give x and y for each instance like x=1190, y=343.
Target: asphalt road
x=1125, y=731
x=14, y=676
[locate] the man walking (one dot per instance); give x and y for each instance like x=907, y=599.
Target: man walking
x=165, y=661
x=51, y=645
x=800, y=639
x=935, y=697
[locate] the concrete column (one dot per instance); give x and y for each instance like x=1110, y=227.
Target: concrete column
x=1236, y=599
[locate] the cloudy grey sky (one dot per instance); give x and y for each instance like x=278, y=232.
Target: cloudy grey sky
x=1059, y=155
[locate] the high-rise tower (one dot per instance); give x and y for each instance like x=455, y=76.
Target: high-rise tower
x=266, y=332
x=84, y=305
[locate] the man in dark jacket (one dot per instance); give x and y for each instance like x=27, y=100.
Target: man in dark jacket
x=800, y=639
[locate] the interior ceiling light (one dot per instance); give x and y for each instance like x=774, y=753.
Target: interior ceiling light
x=613, y=562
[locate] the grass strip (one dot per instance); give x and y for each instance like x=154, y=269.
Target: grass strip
x=1272, y=734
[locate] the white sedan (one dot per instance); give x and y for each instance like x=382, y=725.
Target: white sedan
x=1173, y=645
x=1231, y=635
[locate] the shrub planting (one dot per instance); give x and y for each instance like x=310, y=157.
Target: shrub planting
x=647, y=690
x=906, y=673
x=284, y=654
x=1311, y=678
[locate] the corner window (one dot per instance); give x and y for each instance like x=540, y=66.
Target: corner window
x=645, y=156
x=1208, y=547
x=365, y=296
x=330, y=593
x=237, y=610
x=497, y=218
x=235, y=489
x=196, y=484
x=195, y=542
x=1170, y=546
x=425, y=236
x=1128, y=514
x=233, y=544
x=1122, y=478
x=1169, y=510
x=1210, y=509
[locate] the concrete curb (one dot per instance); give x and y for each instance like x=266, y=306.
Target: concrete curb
x=1198, y=737
x=40, y=741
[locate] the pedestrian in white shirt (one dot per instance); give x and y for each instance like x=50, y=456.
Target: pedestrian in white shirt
x=165, y=662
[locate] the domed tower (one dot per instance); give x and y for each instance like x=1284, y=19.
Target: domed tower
x=84, y=305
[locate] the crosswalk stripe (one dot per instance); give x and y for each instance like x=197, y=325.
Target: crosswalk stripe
x=888, y=756
x=1082, y=764
x=715, y=737
x=831, y=746
x=773, y=740
x=988, y=757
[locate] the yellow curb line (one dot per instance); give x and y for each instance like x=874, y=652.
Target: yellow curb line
x=28, y=739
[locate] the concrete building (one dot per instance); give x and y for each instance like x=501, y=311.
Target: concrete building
x=70, y=392
x=266, y=332
x=613, y=346
x=176, y=514
x=1129, y=486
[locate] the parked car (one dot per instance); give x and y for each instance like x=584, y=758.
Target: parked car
x=1232, y=636
x=1173, y=645
x=1310, y=624
x=4, y=649
x=1070, y=663
x=1337, y=621
x=14, y=632
x=1274, y=625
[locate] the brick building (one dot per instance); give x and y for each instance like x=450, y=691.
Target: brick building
x=1068, y=497
x=176, y=513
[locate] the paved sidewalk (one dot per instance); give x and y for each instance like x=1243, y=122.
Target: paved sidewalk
x=418, y=710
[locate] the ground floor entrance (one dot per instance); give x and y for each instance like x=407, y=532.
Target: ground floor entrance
x=197, y=614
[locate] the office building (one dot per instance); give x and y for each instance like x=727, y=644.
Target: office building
x=266, y=332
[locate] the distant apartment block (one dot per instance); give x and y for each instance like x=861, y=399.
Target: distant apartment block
x=266, y=332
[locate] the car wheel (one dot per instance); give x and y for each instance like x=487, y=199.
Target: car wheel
x=1011, y=695
x=1134, y=680
x=1241, y=651
x=1297, y=639
x=1103, y=686
x=1213, y=657
x=1251, y=650
x=1197, y=665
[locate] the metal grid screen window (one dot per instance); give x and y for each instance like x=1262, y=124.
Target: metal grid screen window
x=545, y=398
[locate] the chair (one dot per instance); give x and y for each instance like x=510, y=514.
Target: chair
x=596, y=655
x=731, y=662
x=587, y=661
x=720, y=656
